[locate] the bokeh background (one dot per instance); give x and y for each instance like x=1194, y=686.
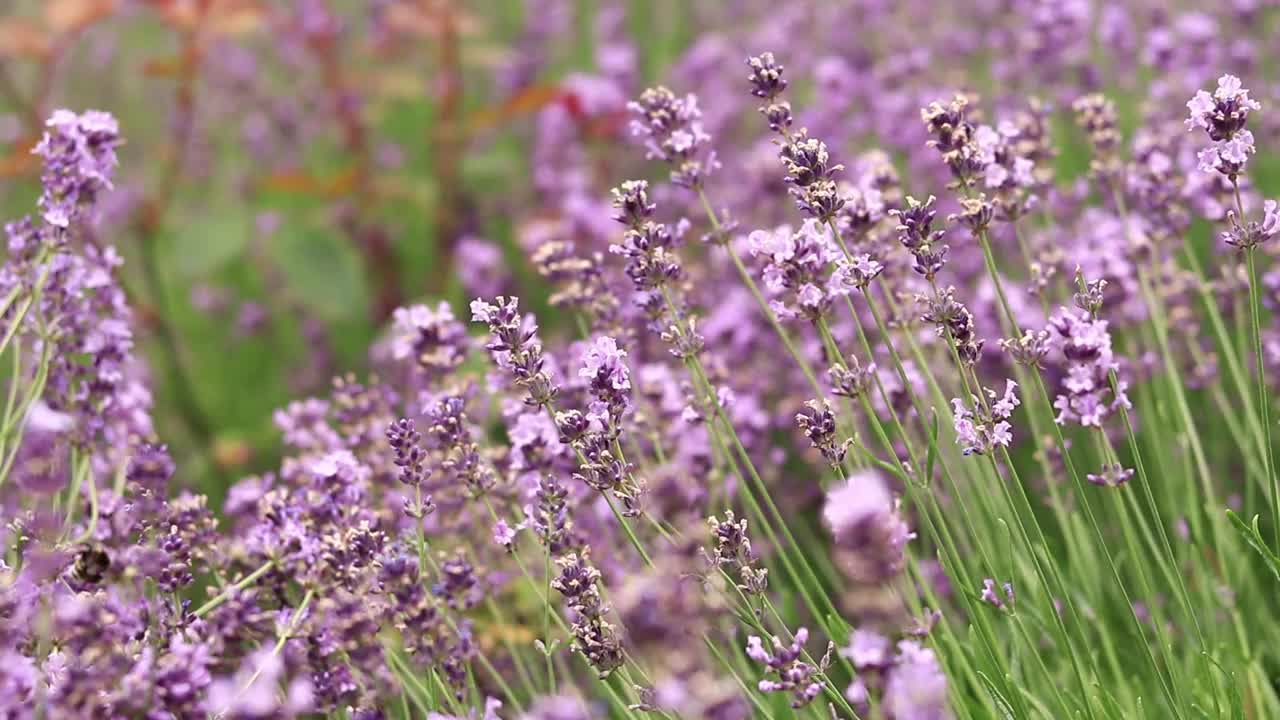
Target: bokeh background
x=296, y=169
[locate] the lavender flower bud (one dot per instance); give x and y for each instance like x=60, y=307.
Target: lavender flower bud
x=632, y=202
x=795, y=676
x=766, y=76
x=916, y=233
x=1111, y=475
x=954, y=321
x=993, y=598
x=953, y=136
x=1030, y=349
x=818, y=423
x=593, y=636
x=516, y=348
x=851, y=380
x=975, y=213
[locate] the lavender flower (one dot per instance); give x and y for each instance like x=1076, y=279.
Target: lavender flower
x=1086, y=395
x=985, y=427
x=811, y=173
x=794, y=675
x=603, y=367
x=1030, y=349
x=856, y=272
x=851, y=380
x=673, y=132
x=581, y=279
x=549, y=515
x=953, y=321
x=1096, y=115
x=647, y=245
x=79, y=153
x=994, y=598
x=818, y=423
x=593, y=636
x=868, y=650
x=952, y=135
x=766, y=76
x=731, y=551
x=450, y=429
x=405, y=442
x=1111, y=475
x=916, y=688
x=516, y=348
x=1222, y=116
x=869, y=531
x=796, y=268
x=916, y=233
x=431, y=339
x=1250, y=234
x=767, y=83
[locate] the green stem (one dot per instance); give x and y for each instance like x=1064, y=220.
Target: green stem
x=225, y=595
x=275, y=651
x=1264, y=402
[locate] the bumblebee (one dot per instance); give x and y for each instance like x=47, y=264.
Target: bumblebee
x=91, y=565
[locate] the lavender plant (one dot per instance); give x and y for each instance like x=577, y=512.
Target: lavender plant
x=863, y=384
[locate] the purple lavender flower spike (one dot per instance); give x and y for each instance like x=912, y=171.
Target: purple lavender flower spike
x=793, y=675
x=1222, y=116
x=79, y=162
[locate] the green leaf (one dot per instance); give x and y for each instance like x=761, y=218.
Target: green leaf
x=1253, y=536
x=198, y=250
x=1237, y=701
x=1004, y=710
x=322, y=272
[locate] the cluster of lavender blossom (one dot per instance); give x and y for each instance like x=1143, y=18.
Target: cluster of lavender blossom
x=787, y=431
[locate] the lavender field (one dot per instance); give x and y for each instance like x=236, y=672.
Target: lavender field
x=673, y=359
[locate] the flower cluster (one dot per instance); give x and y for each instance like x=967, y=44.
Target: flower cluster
x=953, y=321
x=79, y=154
x=916, y=233
x=796, y=268
x=995, y=599
x=516, y=348
x=1003, y=169
x=810, y=170
x=433, y=341
x=801, y=679
x=953, y=135
x=1222, y=116
x=907, y=679
x=731, y=552
x=980, y=429
x=850, y=379
x=1111, y=475
x=595, y=435
x=767, y=83
x=1096, y=115
x=647, y=245
x=460, y=459
x=593, y=636
x=1088, y=394
x=818, y=423
x=672, y=130
x=1249, y=234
